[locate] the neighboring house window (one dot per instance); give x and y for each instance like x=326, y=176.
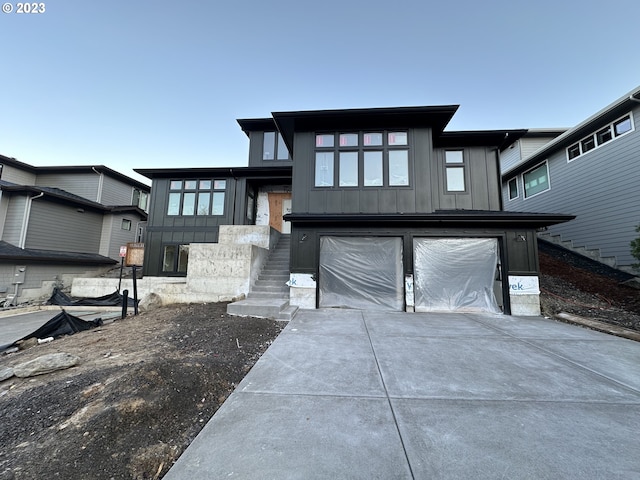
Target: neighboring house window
x=175, y=258
x=362, y=159
x=140, y=199
x=196, y=197
x=536, y=180
x=454, y=165
x=597, y=139
x=513, y=188
x=273, y=147
x=126, y=225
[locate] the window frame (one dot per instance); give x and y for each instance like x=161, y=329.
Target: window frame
x=330, y=142
x=199, y=187
x=524, y=183
x=462, y=165
x=181, y=249
x=597, y=135
x=515, y=180
x=277, y=145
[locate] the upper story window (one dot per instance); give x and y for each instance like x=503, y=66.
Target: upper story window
x=454, y=166
x=536, y=180
x=513, y=188
x=597, y=139
x=140, y=199
x=196, y=197
x=362, y=159
x=273, y=147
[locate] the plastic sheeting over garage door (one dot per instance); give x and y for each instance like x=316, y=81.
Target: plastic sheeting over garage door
x=455, y=274
x=361, y=272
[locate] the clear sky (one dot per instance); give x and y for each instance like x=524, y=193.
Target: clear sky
x=159, y=84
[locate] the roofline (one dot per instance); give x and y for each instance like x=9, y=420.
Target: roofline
x=72, y=168
x=570, y=135
x=256, y=172
x=47, y=193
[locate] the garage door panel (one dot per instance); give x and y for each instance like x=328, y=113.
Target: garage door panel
x=455, y=274
x=361, y=272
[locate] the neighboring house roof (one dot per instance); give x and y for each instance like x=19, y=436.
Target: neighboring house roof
x=68, y=198
x=448, y=218
x=16, y=254
x=610, y=113
x=75, y=169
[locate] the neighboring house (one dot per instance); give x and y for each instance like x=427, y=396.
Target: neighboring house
x=57, y=223
x=387, y=211
x=592, y=171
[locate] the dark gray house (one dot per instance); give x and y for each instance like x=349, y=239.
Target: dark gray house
x=592, y=171
x=57, y=223
x=385, y=211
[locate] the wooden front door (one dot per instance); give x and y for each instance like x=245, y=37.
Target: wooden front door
x=279, y=204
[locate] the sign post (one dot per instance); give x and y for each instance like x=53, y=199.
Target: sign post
x=123, y=253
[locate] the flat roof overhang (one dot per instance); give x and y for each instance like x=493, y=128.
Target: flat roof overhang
x=275, y=173
x=438, y=219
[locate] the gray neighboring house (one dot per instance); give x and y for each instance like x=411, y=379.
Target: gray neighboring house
x=592, y=171
x=58, y=223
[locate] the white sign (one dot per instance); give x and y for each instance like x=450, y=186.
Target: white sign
x=123, y=251
x=521, y=285
x=301, y=280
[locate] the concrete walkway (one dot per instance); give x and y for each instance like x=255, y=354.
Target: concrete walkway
x=367, y=395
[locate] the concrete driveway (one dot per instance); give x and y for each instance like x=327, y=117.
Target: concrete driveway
x=367, y=395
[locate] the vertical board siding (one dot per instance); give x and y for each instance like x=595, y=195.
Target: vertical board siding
x=58, y=227
x=601, y=188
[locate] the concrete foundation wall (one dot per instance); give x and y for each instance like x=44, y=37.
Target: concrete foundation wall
x=216, y=272
x=302, y=290
x=525, y=305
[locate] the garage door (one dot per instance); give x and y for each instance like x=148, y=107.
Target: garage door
x=361, y=272
x=455, y=274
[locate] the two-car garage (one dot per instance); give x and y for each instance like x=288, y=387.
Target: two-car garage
x=449, y=274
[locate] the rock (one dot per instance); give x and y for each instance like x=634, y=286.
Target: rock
x=5, y=372
x=45, y=364
x=150, y=302
x=28, y=343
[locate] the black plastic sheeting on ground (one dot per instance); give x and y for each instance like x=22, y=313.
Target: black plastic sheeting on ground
x=112, y=300
x=62, y=324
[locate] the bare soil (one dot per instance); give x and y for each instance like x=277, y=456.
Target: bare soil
x=146, y=385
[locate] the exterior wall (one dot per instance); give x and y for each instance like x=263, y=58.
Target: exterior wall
x=425, y=194
x=17, y=175
x=54, y=226
x=600, y=187
x=113, y=236
x=511, y=157
x=14, y=219
x=40, y=279
x=85, y=185
x=115, y=192
x=255, y=152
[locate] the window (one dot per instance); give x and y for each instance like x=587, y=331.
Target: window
x=536, y=180
x=126, y=225
x=599, y=138
x=454, y=166
x=196, y=197
x=139, y=199
x=364, y=159
x=272, y=150
x=513, y=188
x=175, y=258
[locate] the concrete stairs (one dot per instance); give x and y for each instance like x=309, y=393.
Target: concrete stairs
x=593, y=254
x=269, y=295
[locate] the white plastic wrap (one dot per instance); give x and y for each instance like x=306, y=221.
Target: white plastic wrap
x=362, y=273
x=455, y=274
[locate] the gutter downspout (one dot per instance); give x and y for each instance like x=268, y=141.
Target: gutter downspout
x=25, y=219
x=100, y=183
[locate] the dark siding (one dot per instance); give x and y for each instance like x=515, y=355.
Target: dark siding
x=255, y=152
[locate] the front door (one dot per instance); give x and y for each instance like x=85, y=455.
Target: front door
x=286, y=209
x=279, y=204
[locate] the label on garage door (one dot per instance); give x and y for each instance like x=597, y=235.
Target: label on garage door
x=520, y=285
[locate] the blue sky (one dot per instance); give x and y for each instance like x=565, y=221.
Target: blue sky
x=159, y=84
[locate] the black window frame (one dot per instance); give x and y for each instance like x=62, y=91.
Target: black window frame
x=196, y=191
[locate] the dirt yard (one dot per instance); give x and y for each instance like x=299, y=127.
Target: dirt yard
x=146, y=385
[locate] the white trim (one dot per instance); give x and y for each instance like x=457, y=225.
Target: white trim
x=524, y=188
x=594, y=133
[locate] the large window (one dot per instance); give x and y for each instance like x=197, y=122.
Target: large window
x=175, y=258
x=273, y=147
x=536, y=180
x=597, y=139
x=362, y=159
x=196, y=197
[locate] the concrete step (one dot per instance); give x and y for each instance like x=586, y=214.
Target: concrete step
x=258, y=307
x=269, y=289
x=269, y=295
x=288, y=313
x=278, y=277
